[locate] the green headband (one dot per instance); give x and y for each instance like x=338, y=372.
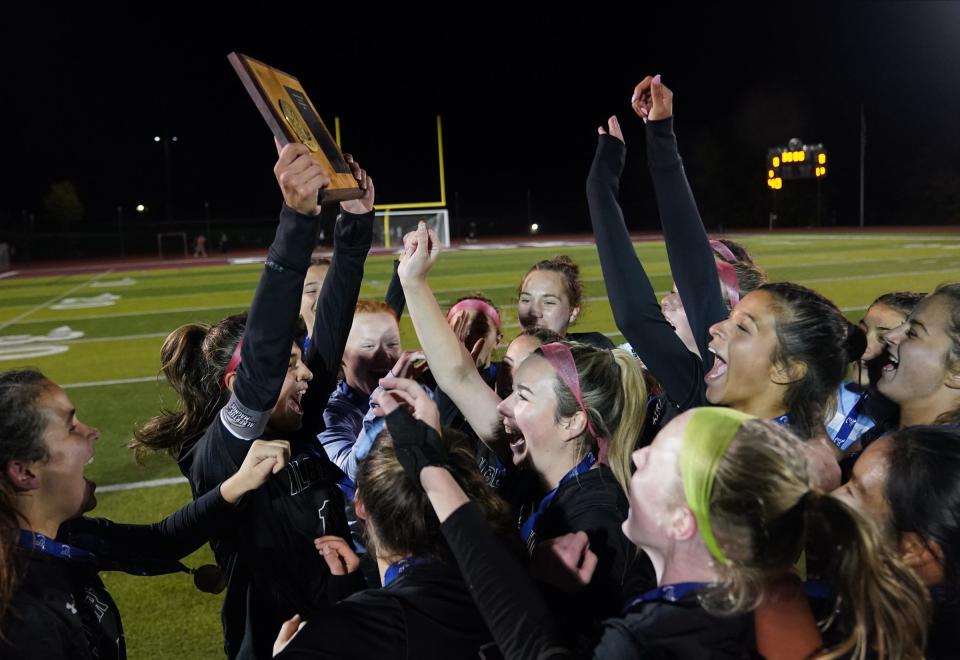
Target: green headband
x=705, y=440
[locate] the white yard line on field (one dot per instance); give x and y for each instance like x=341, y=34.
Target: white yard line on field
x=120, y=381
x=137, y=485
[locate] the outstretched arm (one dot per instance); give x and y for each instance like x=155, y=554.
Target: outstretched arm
x=188, y=528
x=454, y=369
x=516, y=614
x=692, y=261
x=632, y=297
x=268, y=336
x=337, y=300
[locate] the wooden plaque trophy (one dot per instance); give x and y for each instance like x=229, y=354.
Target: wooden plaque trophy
x=292, y=117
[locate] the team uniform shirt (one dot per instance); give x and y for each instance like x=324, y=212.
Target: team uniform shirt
x=61, y=609
x=271, y=566
x=424, y=613
x=592, y=502
x=667, y=623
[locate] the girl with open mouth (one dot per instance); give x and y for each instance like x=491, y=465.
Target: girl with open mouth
x=922, y=374
x=245, y=378
x=571, y=421
x=724, y=504
x=52, y=601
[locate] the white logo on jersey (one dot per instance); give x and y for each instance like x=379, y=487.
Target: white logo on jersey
x=99, y=607
x=323, y=518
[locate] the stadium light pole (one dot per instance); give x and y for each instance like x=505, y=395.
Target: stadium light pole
x=863, y=152
x=167, y=172
x=123, y=250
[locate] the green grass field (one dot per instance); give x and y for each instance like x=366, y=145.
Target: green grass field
x=165, y=617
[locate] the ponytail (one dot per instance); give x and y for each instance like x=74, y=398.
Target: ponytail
x=886, y=606
x=624, y=437
x=763, y=513
x=854, y=343
x=193, y=359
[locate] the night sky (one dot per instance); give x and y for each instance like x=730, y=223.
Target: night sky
x=521, y=95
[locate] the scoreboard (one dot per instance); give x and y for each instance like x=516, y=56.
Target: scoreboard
x=795, y=161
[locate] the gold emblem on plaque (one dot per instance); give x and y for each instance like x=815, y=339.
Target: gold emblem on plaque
x=292, y=115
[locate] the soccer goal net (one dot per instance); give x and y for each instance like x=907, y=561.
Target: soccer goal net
x=391, y=226
x=172, y=244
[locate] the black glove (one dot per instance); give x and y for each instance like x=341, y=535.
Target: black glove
x=417, y=444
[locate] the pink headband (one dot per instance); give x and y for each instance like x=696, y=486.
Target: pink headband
x=232, y=365
x=726, y=271
x=475, y=304
x=561, y=359
x=720, y=248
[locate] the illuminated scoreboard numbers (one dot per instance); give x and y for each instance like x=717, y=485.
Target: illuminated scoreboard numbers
x=798, y=161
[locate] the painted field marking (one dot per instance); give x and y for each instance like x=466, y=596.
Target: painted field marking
x=126, y=281
x=5, y=324
x=31, y=351
x=136, y=485
x=103, y=300
x=121, y=381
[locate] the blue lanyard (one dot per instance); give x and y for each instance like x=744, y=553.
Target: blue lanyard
x=37, y=542
x=672, y=593
x=526, y=530
x=398, y=568
x=348, y=488
x=849, y=422
x=818, y=589
x=668, y=593
x=782, y=420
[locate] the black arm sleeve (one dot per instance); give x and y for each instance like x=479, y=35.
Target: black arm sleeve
x=632, y=298
x=360, y=627
x=688, y=247
x=335, y=306
x=173, y=538
x=514, y=611
x=395, y=298
x=273, y=313
x=341, y=586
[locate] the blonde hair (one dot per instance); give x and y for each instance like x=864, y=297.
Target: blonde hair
x=614, y=394
x=763, y=511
